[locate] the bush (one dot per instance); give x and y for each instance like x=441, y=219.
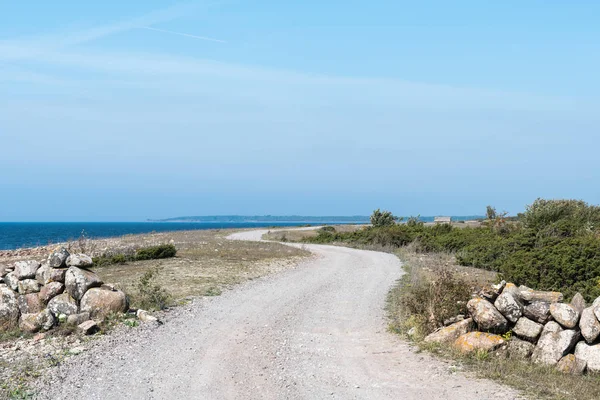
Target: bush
x=150, y=295
x=156, y=252
x=382, y=218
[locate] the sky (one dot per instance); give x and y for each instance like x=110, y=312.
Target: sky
x=122, y=111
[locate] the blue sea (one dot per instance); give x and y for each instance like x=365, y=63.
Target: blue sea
x=15, y=235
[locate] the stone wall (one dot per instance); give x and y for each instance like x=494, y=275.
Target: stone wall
x=529, y=324
x=36, y=297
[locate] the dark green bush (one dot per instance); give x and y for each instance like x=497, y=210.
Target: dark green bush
x=382, y=218
x=156, y=252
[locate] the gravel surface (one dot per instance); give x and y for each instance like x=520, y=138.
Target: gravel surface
x=317, y=331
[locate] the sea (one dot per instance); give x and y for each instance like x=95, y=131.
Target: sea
x=16, y=235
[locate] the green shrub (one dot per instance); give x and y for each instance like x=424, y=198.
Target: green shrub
x=156, y=252
x=150, y=295
x=382, y=218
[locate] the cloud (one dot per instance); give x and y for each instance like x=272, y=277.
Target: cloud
x=185, y=34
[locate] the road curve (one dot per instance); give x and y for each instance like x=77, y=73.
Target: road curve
x=314, y=332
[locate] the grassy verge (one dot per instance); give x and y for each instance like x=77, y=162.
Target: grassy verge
x=425, y=295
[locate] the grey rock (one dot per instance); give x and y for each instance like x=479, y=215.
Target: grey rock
x=9, y=309
x=52, y=289
x=46, y=320
x=29, y=304
x=538, y=311
x=527, y=329
x=58, y=258
x=509, y=306
x=578, y=302
x=88, y=327
x=78, y=319
x=454, y=320
x=101, y=302
x=571, y=364
x=554, y=344
x=529, y=295
x=79, y=260
x=589, y=354
x=11, y=281
x=28, y=323
x=589, y=325
x=41, y=274
x=564, y=314
x=27, y=286
x=487, y=317
x=78, y=281
x=519, y=349
x=26, y=269
x=63, y=304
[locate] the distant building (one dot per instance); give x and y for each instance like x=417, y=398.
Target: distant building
x=442, y=220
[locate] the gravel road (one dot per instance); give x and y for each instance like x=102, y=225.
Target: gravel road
x=314, y=332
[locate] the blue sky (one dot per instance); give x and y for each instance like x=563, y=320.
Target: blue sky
x=132, y=110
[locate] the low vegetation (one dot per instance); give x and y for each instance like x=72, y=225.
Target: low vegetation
x=157, y=252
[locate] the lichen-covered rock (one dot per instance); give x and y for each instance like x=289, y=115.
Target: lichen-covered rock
x=45, y=319
x=589, y=354
x=78, y=281
x=589, y=325
x=9, y=309
x=472, y=341
x=571, y=364
x=529, y=295
x=78, y=319
x=58, y=258
x=26, y=269
x=11, y=281
x=527, y=329
x=492, y=292
x=56, y=275
x=554, y=344
x=487, y=317
x=564, y=314
x=538, y=311
x=52, y=289
x=100, y=302
x=29, y=304
x=519, y=349
x=512, y=289
x=509, y=306
x=578, y=302
x=449, y=334
x=88, y=327
x=40, y=274
x=27, y=286
x=63, y=304
x=79, y=260
x=28, y=323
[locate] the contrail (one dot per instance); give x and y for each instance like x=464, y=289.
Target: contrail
x=185, y=34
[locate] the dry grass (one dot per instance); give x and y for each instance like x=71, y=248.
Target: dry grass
x=535, y=381
x=206, y=262
x=300, y=235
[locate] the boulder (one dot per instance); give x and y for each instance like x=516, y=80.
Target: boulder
x=530, y=295
x=28, y=286
x=554, y=344
x=590, y=355
x=58, y=258
x=527, y=329
x=571, y=364
x=448, y=334
x=519, y=349
x=509, y=306
x=596, y=302
x=453, y=320
x=11, y=281
x=56, y=275
x=487, y=317
x=79, y=260
x=63, y=304
x=28, y=323
x=9, y=309
x=29, y=303
x=46, y=320
x=26, y=269
x=578, y=302
x=564, y=314
x=538, y=311
x=88, y=327
x=41, y=274
x=78, y=281
x=100, y=302
x=512, y=289
x=589, y=325
x=78, y=319
x=52, y=289
x=472, y=341
x=491, y=292
x=146, y=317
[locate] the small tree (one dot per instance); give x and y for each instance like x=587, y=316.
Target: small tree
x=383, y=218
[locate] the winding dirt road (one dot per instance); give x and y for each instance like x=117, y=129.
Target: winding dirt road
x=314, y=332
